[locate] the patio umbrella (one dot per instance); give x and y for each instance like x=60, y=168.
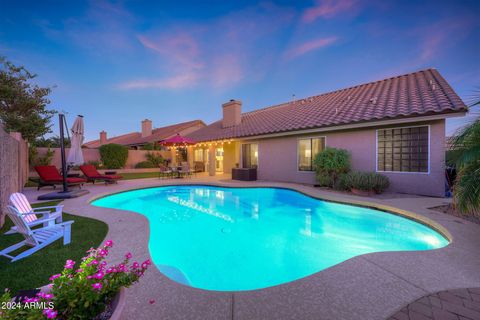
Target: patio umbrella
x=177, y=140
x=75, y=155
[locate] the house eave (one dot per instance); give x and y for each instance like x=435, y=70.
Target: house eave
x=350, y=126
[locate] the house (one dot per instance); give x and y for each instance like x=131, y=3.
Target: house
x=135, y=140
x=394, y=126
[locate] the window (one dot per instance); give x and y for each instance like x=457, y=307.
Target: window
x=403, y=149
x=307, y=150
x=249, y=155
x=198, y=155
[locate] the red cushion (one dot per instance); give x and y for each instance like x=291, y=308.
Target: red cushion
x=111, y=176
x=48, y=173
x=89, y=171
x=76, y=180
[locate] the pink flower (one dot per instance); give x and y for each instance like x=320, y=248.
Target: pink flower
x=50, y=313
x=48, y=296
x=97, y=286
x=93, y=262
x=99, y=275
x=128, y=255
x=79, y=270
x=146, y=263
x=110, y=270
x=55, y=276
x=102, y=252
x=69, y=264
x=135, y=265
x=151, y=301
x=109, y=243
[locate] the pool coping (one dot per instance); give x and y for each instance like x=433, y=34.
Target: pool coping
x=372, y=286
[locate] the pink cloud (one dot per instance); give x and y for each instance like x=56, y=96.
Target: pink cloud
x=174, y=82
x=309, y=46
x=327, y=9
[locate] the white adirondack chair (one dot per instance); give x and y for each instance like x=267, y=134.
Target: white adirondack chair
x=36, y=239
x=20, y=202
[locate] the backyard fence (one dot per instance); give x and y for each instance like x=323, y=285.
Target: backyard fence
x=134, y=156
x=13, y=167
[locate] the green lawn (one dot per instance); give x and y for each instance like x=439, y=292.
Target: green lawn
x=34, y=271
x=126, y=176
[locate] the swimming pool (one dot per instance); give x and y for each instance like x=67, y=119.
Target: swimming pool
x=218, y=238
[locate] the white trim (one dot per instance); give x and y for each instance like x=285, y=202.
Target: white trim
x=353, y=126
x=411, y=172
x=306, y=138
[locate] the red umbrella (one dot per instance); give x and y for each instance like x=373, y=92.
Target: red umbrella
x=177, y=140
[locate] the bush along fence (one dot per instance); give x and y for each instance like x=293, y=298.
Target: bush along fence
x=92, y=156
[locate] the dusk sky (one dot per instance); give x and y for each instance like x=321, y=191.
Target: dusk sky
x=120, y=62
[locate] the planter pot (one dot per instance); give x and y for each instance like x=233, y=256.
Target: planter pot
x=116, y=306
x=363, y=193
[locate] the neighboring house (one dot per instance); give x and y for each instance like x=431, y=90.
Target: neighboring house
x=136, y=140
x=394, y=126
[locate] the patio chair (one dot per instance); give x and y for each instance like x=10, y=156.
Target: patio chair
x=36, y=239
x=165, y=172
x=92, y=174
x=185, y=170
x=20, y=202
x=49, y=176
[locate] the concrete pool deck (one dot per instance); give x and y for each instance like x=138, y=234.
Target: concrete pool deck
x=371, y=286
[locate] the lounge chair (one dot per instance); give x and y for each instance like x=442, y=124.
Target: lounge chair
x=36, y=239
x=186, y=171
x=165, y=172
x=49, y=176
x=92, y=174
x=20, y=202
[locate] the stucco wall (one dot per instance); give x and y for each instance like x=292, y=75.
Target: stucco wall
x=134, y=156
x=13, y=168
x=277, y=158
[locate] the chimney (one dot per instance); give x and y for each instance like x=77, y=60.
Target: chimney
x=146, y=128
x=232, y=113
x=103, y=137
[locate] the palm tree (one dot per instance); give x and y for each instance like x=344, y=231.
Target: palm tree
x=466, y=156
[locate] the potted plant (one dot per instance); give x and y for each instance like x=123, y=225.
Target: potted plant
x=90, y=290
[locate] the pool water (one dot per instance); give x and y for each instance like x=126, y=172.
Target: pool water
x=249, y=238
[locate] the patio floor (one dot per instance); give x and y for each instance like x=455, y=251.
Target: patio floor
x=371, y=286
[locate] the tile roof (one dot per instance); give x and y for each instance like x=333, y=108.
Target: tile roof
x=158, y=134
x=411, y=95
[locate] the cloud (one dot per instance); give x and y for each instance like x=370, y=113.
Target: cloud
x=175, y=82
x=309, y=46
x=219, y=53
x=327, y=9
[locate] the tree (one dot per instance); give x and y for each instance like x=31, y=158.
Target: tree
x=52, y=142
x=22, y=103
x=466, y=157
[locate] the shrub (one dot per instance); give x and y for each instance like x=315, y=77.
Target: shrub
x=152, y=146
x=35, y=160
x=330, y=164
x=155, y=159
x=145, y=164
x=366, y=181
x=113, y=156
x=82, y=292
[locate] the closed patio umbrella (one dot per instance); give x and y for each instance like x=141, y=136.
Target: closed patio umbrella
x=75, y=155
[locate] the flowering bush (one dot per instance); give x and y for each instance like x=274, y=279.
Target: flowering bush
x=81, y=292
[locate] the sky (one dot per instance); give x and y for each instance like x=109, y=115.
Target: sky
x=118, y=62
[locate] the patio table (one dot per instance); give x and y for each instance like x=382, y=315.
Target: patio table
x=176, y=171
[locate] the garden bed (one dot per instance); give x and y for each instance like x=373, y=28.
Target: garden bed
x=448, y=209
